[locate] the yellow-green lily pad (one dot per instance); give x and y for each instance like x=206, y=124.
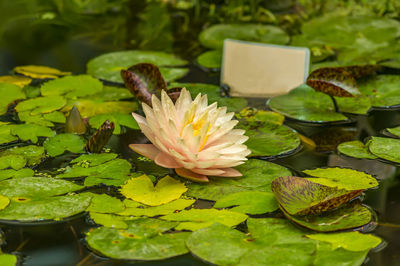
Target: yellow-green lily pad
x=134, y=208
x=355, y=149
x=4, y=201
x=118, y=119
x=41, y=105
x=108, y=220
x=103, y=203
x=60, y=143
x=9, y=94
x=40, y=72
x=31, y=132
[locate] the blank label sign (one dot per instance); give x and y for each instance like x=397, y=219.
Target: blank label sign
x=263, y=70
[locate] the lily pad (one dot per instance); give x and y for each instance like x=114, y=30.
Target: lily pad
x=134, y=208
x=20, y=81
x=72, y=86
x=103, y=203
x=10, y=93
x=257, y=176
x=42, y=209
x=4, y=201
x=60, y=143
x=108, y=66
x=118, y=119
x=394, y=131
x=355, y=149
x=214, y=36
x=352, y=241
x=305, y=104
x=31, y=132
x=5, y=134
x=299, y=196
x=267, y=138
x=94, y=159
x=108, y=220
x=36, y=187
x=33, y=154
x=40, y=72
x=41, y=105
x=342, y=178
x=111, y=93
x=141, y=189
x=131, y=244
x=10, y=173
x=383, y=90
x=350, y=215
x=210, y=59
x=89, y=108
x=195, y=219
x=385, y=148
x=15, y=162
x=328, y=257
x=234, y=104
x=111, y=173
x=251, y=202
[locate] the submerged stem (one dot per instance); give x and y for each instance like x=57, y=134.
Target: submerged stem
x=335, y=103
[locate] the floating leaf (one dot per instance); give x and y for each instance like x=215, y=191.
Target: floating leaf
x=251, y=202
x=299, y=196
x=95, y=159
x=111, y=173
x=353, y=241
x=144, y=80
x=15, y=162
x=132, y=244
x=34, y=119
x=267, y=138
x=234, y=104
x=100, y=138
x=134, y=208
x=118, y=119
x=56, y=117
x=348, y=216
x=355, y=149
x=20, y=81
x=385, y=148
x=40, y=72
x=257, y=176
x=8, y=259
x=60, y=143
x=383, y=90
x=333, y=81
x=4, y=201
x=10, y=93
x=326, y=256
x=141, y=189
x=103, y=203
x=305, y=104
x=74, y=122
x=394, y=131
x=108, y=66
x=342, y=178
x=31, y=132
x=108, y=220
x=41, y=105
x=214, y=36
x=210, y=59
x=50, y=208
x=5, y=134
x=36, y=187
x=195, y=219
x=33, y=154
x=10, y=173
x=88, y=108
x=111, y=93
x=72, y=86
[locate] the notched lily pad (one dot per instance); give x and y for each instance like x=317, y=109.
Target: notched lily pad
x=385, y=148
x=10, y=173
x=383, y=90
x=9, y=94
x=118, y=119
x=94, y=159
x=40, y=72
x=41, y=105
x=108, y=220
x=31, y=132
x=355, y=149
x=210, y=59
x=103, y=203
x=134, y=208
x=394, y=131
x=60, y=143
x=5, y=134
x=33, y=154
x=20, y=81
x=299, y=196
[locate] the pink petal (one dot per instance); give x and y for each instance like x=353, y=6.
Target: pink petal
x=231, y=172
x=148, y=150
x=165, y=160
x=190, y=175
x=215, y=172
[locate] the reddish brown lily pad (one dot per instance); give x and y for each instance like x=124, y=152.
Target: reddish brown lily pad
x=299, y=196
x=100, y=137
x=333, y=81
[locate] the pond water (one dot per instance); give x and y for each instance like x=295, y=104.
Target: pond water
x=63, y=243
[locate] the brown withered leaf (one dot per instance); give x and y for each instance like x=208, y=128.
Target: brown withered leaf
x=100, y=137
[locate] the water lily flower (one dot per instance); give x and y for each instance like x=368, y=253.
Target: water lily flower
x=195, y=138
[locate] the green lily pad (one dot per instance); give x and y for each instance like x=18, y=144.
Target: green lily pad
x=103, y=203
x=266, y=137
x=355, y=149
x=394, y=131
x=299, y=196
x=257, y=176
x=214, y=36
x=42, y=119
x=41, y=105
x=72, y=86
x=10, y=93
x=10, y=173
x=251, y=202
x=210, y=59
x=134, y=244
x=350, y=215
x=5, y=134
x=352, y=241
x=342, y=178
x=94, y=159
x=31, y=132
x=383, y=90
x=111, y=93
x=108, y=220
x=195, y=219
x=36, y=187
x=234, y=104
x=385, y=148
x=15, y=162
x=108, y=66
x=42, y=209
x=8, y=259
x=4, y=201
x=111, y=173
x=119, y=120
x=33, y=154
x=328, y=257
x=305, y=104
x=60, y=143
x=141, y=189
x=134, y=208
